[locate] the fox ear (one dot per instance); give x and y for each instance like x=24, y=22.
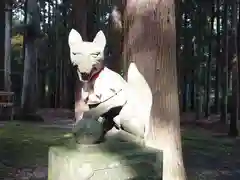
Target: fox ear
x=100, y=39
x=74, y=37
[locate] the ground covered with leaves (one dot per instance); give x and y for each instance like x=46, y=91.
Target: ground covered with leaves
x=24, y=152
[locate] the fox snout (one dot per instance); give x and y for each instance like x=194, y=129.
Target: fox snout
x=85, y=76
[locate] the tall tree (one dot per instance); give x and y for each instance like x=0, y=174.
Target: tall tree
x=2, y=37
x=209, y=62
x=115, y=34
x=7, y=56
x=80, y=16
x=32, y=31
x=233, y=130
x=199, y=56
x=218, y=59
x=224, y=105
x=150, y=42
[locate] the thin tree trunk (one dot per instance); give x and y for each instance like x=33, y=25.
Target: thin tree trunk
x=183, y=77
x=209, y=65
x=238, y=51
x=199, y=57
x=224, y=105
x=91, y=20
x=193, y=91
x=179, y=13
x=115, y=35
x=151, y=44
x=2, y=37
x=80, y=16
x=184, y=94
x=7, y=57
x=233, y=128
x=218, y=64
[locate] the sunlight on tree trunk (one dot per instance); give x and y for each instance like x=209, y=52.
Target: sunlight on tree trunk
x=150, y=42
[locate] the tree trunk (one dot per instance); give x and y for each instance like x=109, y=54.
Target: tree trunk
x=151, y=43
x=80, y=17
x=7, y=56
x=238, y=54
x=183, y=78
x=233, y=130
x=209, y=66
x=28, y=100
x=115, y=35
x=184, y=94
x=179, y=13
x=224, y=104
x=2, y=37
x=218, y=64
x=199, y=50
x=193, y=91
x=91, y=23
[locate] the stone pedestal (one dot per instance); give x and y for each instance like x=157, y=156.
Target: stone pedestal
x=111, y=160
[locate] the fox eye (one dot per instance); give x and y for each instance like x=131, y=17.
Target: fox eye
x=95, y=54
x=75, y=53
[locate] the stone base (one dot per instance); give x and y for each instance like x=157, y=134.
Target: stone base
x=111, y=160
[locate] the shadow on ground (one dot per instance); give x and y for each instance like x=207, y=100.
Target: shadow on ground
x=24, y=148
x=209, y=157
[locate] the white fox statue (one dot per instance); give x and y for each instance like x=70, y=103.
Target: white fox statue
x=105, y=93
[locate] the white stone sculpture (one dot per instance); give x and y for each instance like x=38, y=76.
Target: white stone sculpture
x=106, y=95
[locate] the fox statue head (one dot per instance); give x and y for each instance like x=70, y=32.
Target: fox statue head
x=87, y=56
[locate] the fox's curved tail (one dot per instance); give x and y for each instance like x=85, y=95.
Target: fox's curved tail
x=144, y=98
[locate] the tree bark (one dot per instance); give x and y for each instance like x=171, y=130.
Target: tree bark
x=28, y=100
x=91, y=23
x=218, y=59
x=199, y=57
x=2, y=37
x=115, y=35
x=80, y=17
x=193, y=91
x=209, y=65
x=150, y=42
x=224, y=105
x=179, y=13
x=233, y=130
x=7, y=56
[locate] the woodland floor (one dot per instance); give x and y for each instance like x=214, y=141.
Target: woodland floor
x=208, y=153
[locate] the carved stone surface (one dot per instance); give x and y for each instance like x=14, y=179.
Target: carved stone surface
x=112, y=160
x=87, y=131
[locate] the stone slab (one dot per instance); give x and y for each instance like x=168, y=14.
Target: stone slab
x=112, y=160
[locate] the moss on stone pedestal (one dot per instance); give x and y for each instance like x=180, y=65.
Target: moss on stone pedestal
x=110, y=160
